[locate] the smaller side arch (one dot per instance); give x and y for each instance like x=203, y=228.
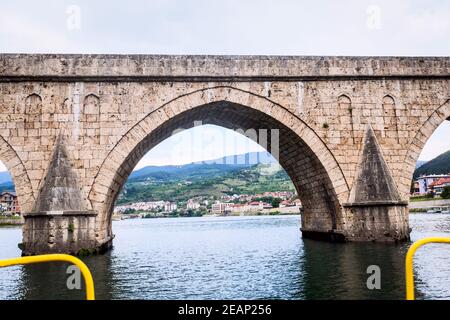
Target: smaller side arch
x=417, y=143
x=19, y=175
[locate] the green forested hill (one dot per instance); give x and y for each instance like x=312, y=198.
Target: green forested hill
x=208, y=180
x=439, y=165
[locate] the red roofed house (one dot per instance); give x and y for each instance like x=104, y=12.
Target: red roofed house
x=438, y=186
x=285, y=203
x=255, y=206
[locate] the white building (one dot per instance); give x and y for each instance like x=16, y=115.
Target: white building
x=142, y=206
x=221, y=207
x=193, y=205
x=425, y=181
x=169, y=206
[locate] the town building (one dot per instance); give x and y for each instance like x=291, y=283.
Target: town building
x=267, y=205
x=238, y=208
x=147, y=206
x=415, y=188
x=170, y=206
x=284, y=195
x=221, y=207
x=255, y=206
x=424, y=182
x=287, y=203
x=192, y=204
x=9, y=202
x=438, y=186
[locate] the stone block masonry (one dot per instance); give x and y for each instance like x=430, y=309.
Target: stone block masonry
x=101, y=113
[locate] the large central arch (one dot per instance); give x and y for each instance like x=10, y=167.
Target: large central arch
x=311, y=166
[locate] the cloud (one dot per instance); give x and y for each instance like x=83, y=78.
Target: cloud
x=20, y=34
x=204, y=142
x=288, y=27
x=438, y=142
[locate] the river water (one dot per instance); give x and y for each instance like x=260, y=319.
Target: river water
x=235, y=258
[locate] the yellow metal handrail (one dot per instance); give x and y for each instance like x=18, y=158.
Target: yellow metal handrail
x=90, y=293
x=409, y=262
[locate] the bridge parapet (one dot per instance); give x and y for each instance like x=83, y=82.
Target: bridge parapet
x=19, y=67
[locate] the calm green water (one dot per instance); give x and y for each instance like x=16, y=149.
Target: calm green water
x=235, y=258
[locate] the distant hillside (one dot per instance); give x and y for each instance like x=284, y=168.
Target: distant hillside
x=233, y=174
x=439, y=165
x=249, y=173
x=209, y=168
x=159, y=180
x=420, y=163
x=208, y=181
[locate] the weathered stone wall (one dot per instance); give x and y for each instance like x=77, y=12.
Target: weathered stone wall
x=115, y=108
x=387, y=223
x=72, y=233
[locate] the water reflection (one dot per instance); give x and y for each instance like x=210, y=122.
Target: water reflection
x=235, y=258
x=48, y=280
x=339, y=271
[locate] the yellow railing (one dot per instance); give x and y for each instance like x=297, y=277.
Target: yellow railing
x=409, y=262
x=90, y=293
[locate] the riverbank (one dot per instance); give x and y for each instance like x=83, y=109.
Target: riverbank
x=11, y=221
x=292, y=211
x=424, y=205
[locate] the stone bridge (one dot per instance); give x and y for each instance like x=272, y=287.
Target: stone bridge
x=73, y=127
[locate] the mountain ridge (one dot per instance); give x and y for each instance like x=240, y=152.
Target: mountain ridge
x=439, y=165
x=226, y=163
x=210, y=182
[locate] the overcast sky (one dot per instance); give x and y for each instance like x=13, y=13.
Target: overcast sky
x=281, y=27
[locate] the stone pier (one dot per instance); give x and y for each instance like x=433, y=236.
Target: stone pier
x=61, y=221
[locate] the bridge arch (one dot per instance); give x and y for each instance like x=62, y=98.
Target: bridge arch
x=312, y=167
x=19, y=175
x=418, y=141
